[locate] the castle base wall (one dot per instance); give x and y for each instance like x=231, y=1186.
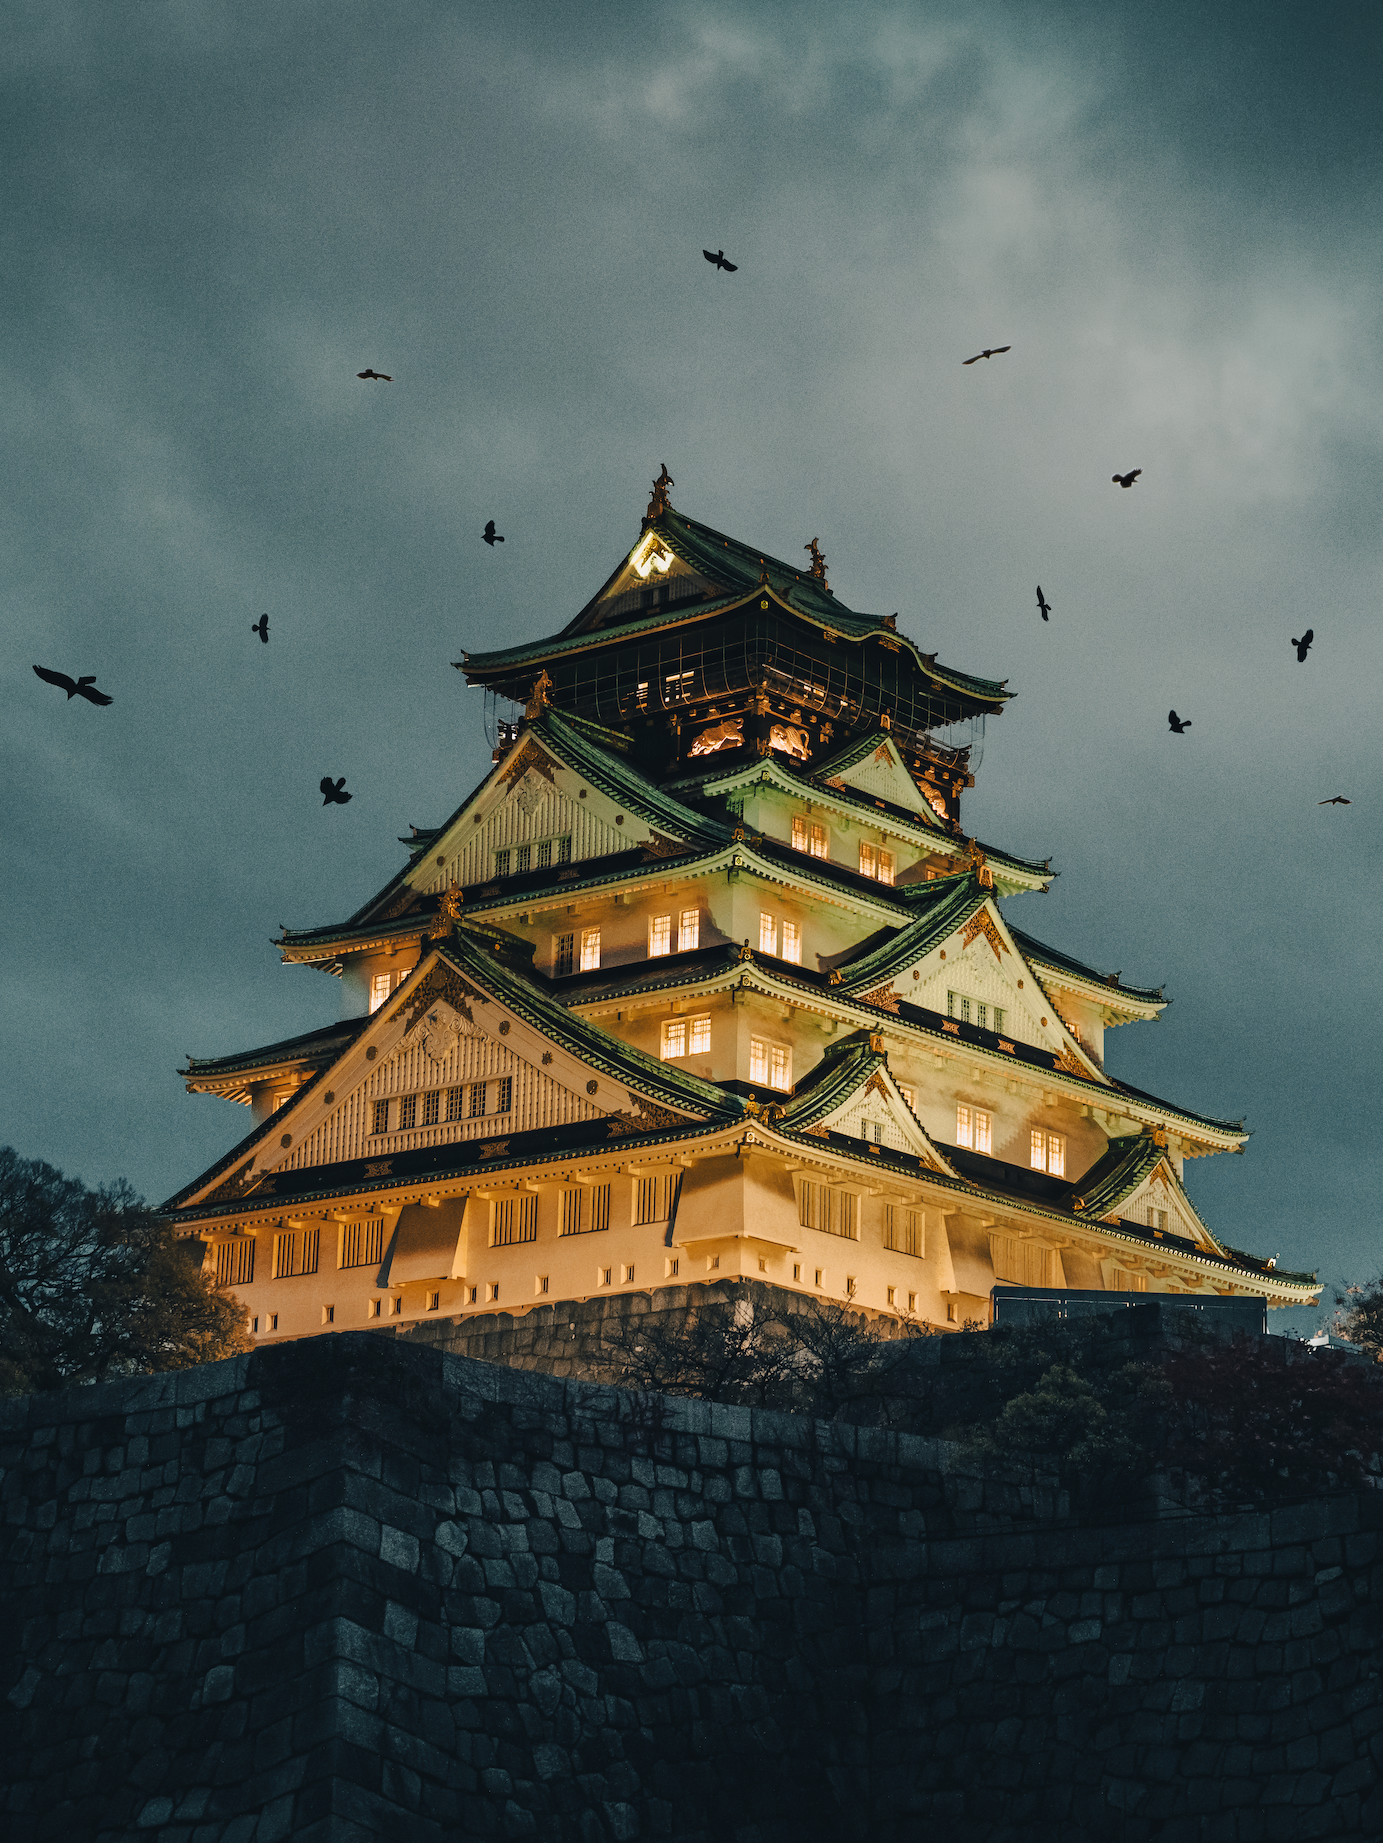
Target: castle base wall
x=353, y=1588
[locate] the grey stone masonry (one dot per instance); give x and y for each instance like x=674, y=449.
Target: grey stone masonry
x=355, y=1588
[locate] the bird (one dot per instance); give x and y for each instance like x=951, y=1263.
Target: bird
x=1126, y=480
x=381, y=377
x=718, y=258
x=1339, y=800
x=1176, y=722
x=1043, y=603
x=261, y=627
x=989, y=352
x=490, y=535
x=334, y=792
x=1303, y=645
x=75, y=687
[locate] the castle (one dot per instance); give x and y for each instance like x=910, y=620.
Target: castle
x=705, y=980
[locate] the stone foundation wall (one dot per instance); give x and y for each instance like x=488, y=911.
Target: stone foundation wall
x=352, y=1588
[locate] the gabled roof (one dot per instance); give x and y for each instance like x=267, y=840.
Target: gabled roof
x=313, y=1046
x=1039, y=955
x=850, y=1070
x=736, y=572
x=1128, y=1163
x=939, y=908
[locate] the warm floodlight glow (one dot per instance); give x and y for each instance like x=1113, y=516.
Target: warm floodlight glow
x=647, y=557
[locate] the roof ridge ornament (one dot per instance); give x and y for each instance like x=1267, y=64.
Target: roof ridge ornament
x=818, y=565
x=537, y=697
x=658, y=504
x=980, y=865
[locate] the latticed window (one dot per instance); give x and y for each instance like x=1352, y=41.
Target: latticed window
x=524, y=858
x=504, y=1094
x=832, y=1212
x=659, y=935
x=903, y=1229
x=295, y=1252
x=454, y=1100
x=585, y=1210
x=700, y=1035
x=799, y=831
x=564, y=851
x=653, y=1199
x=779, y=1066
x=514, y=1219
x=408, y=1112
x=600, y=1206
x=910, y=1097
x=876, y=862
x=432, y=1105
x=1048, y=1152
x=689, y=931
x=545, y=854
x=820, y=844
x=501, y=863
x=590, y=950
x=477, y=1099
x=381, y=1117
x=1157, y=1219
x=674, y=1039
x=564, y=954
x=362, y=1243
x=974, y=1128
x=235, y=1261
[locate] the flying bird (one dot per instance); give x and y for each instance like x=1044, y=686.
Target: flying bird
x=718, y=258
x=1126, y=480
x=1303, y=645
x=381, y=376
x=989, y=352
x=490, y=535
x=334, y=792
x=1339, y=800
x=1043, y=603
x=261, y=627
x=1177, y=723
x=74, y=687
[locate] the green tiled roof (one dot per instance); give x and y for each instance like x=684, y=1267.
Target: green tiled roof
x=1118, y=1174
x=842, y=1069
x=945, y=905
x=738, y=570
x=1034, y=949
x=328, y=1041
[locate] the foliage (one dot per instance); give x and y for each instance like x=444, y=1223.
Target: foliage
x=93, y=1284
x=1359, y=1317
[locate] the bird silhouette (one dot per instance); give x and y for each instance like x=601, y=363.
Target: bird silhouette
x=334, y=792
x=1339, y=800
x=490, y=535
x=380, y=376
x=989, y=352
x=1042, y=603
x=261, y=627
x=74, y=687
x=1176, y=722
x=1303, y=645
x=1126, y=480
x=718, y=258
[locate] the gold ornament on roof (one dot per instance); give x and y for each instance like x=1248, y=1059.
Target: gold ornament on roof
x=448, y=910
x=982, y=923
x=657, y=505
x=818, y=562
x=980, y=865
x=537, y=697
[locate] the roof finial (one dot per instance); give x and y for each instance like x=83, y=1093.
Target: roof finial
x=657, y=505
x=537, y=697
x=818, y=563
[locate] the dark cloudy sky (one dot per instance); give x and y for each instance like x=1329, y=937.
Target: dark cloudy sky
x=215, y=214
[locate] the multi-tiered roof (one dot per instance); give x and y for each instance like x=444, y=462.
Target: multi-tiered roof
x=706, y=978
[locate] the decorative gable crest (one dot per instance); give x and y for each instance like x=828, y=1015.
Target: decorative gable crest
x=982, y=923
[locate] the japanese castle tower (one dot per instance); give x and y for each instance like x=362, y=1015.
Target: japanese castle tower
x=706, y=980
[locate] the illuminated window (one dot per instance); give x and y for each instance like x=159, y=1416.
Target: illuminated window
x=700, y=1035
x=792, y=942
x=1157, y=1219
x=432, y=1107
x=768, y=933
x=408, y=1112
x=974, y=1128
x=659, y=935
x=1048, y=1152
x=833, y=1212
x=590, y=950
x=820, y=847
x=903, y=1229
x=381, y=985
x=689, y=931
x=674, y=1039
x=563, y=954
x=885, y=867
x=477, y=1100
x=381, y=1117
x=876, y=862
x=799, y=831
x=677, y=687
x=910, y=1097
x=770, y=1062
